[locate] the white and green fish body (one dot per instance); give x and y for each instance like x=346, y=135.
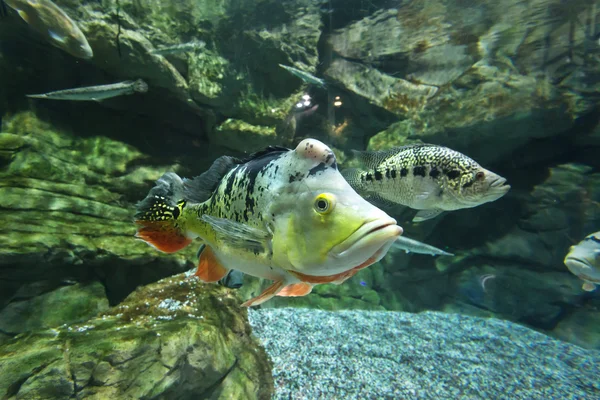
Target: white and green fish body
x=54, y=24
x=285, y=215
x=425, y=177
x=95, y=93
x=305, y=76
x=583, y=260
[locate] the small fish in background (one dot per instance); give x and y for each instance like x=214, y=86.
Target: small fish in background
x=305, y=76
x=54, y=24
x=95, y=93
x=414, y=246
x=424, y=177
x=179, y=48
x=234, y=278
x=583, y=260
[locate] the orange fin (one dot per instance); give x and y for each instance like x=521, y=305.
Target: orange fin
x=266, y=295
x=348, y=275
x=209, y=268
x=296, y=290
x=163, y=235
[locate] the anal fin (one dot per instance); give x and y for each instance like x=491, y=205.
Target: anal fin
x=424, y=215
x=296, y=290
x=209, y=268
x=267, y=294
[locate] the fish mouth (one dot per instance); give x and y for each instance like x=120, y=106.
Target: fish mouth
x=499, y=183
x=371, y=237
x=577, y=264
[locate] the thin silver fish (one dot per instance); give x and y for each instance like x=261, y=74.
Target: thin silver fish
x=179, y=48
x=414, y=246
x=305, y=76
x=95, y=93
x=425, y=177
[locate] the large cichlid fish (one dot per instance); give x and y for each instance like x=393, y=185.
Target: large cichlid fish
x=54, y=24
x=425, y=177
x=284, y=215
x=583, y=260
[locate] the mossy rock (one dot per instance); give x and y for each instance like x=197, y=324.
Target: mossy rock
x=177, y=338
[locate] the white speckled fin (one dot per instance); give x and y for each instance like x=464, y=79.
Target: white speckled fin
x=424, y=215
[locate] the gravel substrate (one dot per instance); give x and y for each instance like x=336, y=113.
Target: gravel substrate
x=392, y=355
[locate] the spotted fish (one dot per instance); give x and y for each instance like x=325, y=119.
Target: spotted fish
x=583, y=260
x=425, y=177
x=284, y=215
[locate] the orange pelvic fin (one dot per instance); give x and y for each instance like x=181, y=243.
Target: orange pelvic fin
x=269, y=293
x=296, y=290
x=209, y=268
x=163, y=235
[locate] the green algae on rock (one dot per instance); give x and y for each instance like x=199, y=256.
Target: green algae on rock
x=177, y=338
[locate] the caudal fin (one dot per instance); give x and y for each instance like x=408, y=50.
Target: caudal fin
x=157, y=215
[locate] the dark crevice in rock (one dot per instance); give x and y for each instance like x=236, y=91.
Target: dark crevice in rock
x=14, y=388
x=212, y=388
x=11, y=334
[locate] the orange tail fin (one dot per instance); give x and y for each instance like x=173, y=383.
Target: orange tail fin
x=162, y=235
x=157, y=215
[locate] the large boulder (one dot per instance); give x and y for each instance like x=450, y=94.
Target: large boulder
x=177, y=338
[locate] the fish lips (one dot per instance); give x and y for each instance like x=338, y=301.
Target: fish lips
x=368, y=240
x=497, y=188
x=577, y=265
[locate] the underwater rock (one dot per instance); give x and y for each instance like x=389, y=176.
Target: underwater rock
x=30, y=310
x=581, y=327
x=176, y=338
x=360, y=354
x=69, y=203
x=242, y=136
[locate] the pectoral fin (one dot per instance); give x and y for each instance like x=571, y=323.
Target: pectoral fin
x=209, y=268
x=424, y=215
x=588, y=287
x=236, y=234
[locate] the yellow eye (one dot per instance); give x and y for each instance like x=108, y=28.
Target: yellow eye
x=324, y=203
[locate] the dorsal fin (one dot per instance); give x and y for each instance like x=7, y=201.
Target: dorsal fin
x=371, y=159
x=269, y=150
x=200, y=188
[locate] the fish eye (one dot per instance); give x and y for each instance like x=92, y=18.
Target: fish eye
x=324, y=203
x=480, y=175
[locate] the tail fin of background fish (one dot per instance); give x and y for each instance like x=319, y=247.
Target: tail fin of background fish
x=157, y=215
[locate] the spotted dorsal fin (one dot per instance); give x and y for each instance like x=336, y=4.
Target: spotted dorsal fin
x=267, y=152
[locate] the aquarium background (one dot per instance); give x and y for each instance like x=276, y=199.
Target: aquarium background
x=513, y=84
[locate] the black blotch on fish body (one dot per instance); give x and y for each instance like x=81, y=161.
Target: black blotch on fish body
x=594, y=239
x=369, y=177
x=453, y=174
x=434, y=173
x=403, y=172
x=419, y=171
x=470, y=183
x=317, y=169
x=393, y=174
x=378, y=175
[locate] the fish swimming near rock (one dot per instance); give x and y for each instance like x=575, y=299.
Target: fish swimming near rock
x=305, y=76
x=179, y=48
x=425, y=177
x=583, y=260
x=284, y=215
x=95, y=93
x=54, y=24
